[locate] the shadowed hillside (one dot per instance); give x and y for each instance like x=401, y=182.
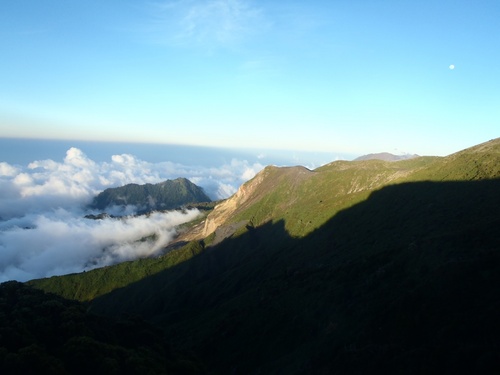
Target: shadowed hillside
x=354, y=268
x=45, y=334
x=404, y=282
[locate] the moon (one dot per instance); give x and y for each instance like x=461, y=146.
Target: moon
x=451, y=67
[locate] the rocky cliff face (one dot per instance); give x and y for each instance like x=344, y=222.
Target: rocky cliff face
x=227, y=208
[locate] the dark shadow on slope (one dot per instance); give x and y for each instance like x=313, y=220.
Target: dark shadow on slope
x=41, y=333
x=404, y=282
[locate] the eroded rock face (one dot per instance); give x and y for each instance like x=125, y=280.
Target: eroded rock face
x=224, y=210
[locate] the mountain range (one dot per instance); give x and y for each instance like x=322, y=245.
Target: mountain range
x=355, y=267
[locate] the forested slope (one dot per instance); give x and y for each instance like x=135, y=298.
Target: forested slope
x=353, y=268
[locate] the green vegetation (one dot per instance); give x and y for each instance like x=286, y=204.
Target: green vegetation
x=305, y=200
x=44, y=333
x=166, y=195
x=88, y=285
x=354, y=268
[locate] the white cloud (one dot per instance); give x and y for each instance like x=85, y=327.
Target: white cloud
x=61, y=242
x=7, y=170
x=42, y=207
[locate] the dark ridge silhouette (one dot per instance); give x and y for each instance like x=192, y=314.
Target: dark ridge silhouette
x=404, y=282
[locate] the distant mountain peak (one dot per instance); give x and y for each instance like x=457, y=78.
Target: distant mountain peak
x=166, y=195
x=386, y=156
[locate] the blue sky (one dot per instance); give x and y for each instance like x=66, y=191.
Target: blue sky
x=351, y=76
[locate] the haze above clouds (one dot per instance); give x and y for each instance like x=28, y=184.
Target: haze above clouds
x=43, y=231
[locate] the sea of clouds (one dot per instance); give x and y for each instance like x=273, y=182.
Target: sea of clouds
x=43, y=231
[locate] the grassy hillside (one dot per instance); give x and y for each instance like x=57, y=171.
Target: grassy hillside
x=88, y=285
x=408, y=277
x=303, y=200
x=354, y=268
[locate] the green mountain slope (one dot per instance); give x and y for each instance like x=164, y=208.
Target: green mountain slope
x=165, y=195
x=353, y=268
x=44, y=334
x=409, y=276
x=305, y=199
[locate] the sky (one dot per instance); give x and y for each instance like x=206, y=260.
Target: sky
x=353, y=76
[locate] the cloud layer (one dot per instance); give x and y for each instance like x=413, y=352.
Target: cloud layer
x=61, y=243
x=43, y=231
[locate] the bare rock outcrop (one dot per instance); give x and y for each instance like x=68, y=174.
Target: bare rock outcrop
x=227, y=208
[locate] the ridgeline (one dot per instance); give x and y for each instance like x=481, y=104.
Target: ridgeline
x=353, y=268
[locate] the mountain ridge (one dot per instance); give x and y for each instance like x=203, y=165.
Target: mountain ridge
x=385, y=173
x=354, y=267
